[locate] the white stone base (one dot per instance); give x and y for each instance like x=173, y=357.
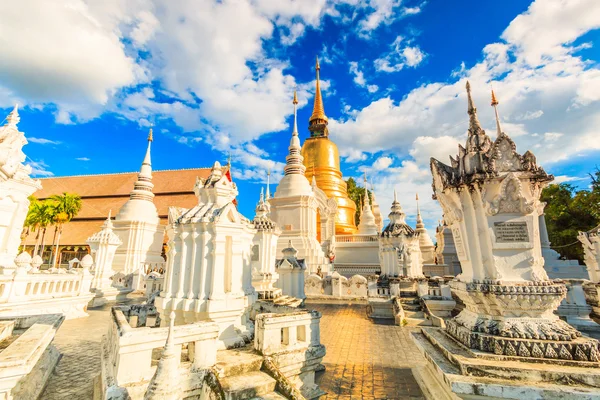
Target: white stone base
x=70, y=307
x=474, y=375
x=111, y=294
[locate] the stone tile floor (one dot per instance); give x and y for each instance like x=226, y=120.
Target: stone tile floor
x=365, y=359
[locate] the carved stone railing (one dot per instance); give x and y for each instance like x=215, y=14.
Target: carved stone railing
x=336, y=286
x=356, y=238
x=128, y=347
x=45, y=292
x=350, y=269
x=435, y=269
x=293, y=342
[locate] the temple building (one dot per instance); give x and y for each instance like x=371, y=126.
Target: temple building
x=322, y=160
x=101, y=193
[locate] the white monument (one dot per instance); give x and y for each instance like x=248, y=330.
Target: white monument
x=591, y=255
x=367, y=225
x=490, y=198
x=103, y=245
x=425, y=243
x=291, y=273
x=399, y=250
x=591, y=252
x=138, y=225
x=15, y=186
x=294, y=208
x=208, y=272
x=376, y=210
x=264, y=252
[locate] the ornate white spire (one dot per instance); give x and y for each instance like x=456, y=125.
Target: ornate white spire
x=495, y=105
x=420, y=223
x=397, y=225
x=294, y=160
x=12, y=119
x=425, y=242
x=367, y=225
x=106, y=234
x=268, y=184
x=164, y=385
x=376, y=209
x=140, y=206
x=142, y=189
x=474, y=125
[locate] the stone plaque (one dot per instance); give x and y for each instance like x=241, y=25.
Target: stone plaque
x=511, y=232
x=459, y=245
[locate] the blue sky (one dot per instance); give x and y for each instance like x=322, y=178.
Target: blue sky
x=216, y=77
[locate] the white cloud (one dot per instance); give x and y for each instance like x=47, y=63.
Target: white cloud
x=359, y=78
x=41, y=140
x=62, y=53
x=82, y=159
x=402, y=54
x=529, y=115
x=566, y=178
x=382, y=12
x=39, y=168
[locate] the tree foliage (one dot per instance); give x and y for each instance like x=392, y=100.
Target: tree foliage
x=356, y=194
x=569, y=211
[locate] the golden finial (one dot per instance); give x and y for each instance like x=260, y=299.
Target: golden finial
x=295, y=98
x=150, y=137
x=318, y=109
x=494, y=100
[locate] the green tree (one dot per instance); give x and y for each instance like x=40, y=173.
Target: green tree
x=569, y=211
x=356, y=194
x=66, y=207
x=39, y=216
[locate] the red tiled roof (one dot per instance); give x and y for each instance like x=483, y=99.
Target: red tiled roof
x=101, y=193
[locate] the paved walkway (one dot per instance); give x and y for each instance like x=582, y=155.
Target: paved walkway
x=78, y=340
x=365, y=360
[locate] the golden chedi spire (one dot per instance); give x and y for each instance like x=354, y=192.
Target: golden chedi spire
x=322, y=162
x=318, y=119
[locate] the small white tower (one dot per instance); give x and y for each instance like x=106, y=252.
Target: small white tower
x=399, y=250
x=367, y=225
x=103, y=245
x=138, y=225
x=264, y=251
x=425, y=242
x=294, y=208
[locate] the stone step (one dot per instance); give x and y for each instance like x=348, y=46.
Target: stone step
x=247, y=386
x=270, y=396
x=237, y=362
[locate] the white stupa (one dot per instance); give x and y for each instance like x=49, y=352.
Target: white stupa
x=367, y=225
x=294, y=208
x=425, y=242
x=138, y=225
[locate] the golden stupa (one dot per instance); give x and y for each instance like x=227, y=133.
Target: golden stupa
x=322, y=159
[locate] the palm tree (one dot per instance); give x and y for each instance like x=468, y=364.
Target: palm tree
x=66, y=205
x=31, y=222
x=46, y=216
